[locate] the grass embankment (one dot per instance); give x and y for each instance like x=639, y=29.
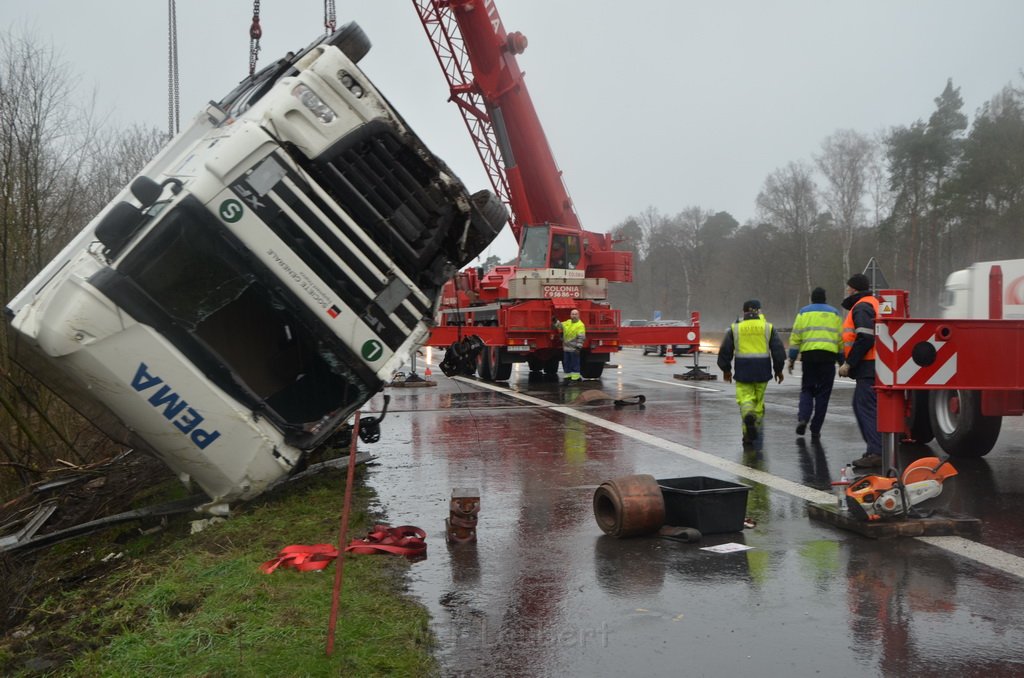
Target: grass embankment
x=180, y=605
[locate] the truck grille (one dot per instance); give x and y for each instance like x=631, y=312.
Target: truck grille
x=337, y=252
x=395, y=195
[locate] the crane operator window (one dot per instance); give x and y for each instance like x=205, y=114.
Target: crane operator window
x=558, y=255
x=534, y=250
x=565, y=251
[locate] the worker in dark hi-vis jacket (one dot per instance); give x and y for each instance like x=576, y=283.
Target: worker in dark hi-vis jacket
x=859, y=348
x=758, y=353
x=817, y=341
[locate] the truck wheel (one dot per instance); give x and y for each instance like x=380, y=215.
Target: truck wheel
x=499, y=370
x=552, y=365
x=591, y=370
x=483, y=364
x=352, y=41
x=918, y=422
x=492, y=211
x=958, y=424
x=489, y=217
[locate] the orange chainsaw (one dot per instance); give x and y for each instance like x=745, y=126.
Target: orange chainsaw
x=877, y=497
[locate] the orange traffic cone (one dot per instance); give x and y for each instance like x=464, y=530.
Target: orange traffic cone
x=427, y=372
x=670, y=358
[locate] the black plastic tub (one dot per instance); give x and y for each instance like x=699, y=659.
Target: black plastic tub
x=709, y=505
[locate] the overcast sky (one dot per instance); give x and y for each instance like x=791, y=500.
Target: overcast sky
x=663, y=103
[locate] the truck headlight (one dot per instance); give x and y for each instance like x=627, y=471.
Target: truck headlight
x=314, y=103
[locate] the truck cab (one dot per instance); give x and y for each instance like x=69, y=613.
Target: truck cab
x=262, y=277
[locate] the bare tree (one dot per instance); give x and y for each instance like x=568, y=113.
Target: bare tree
x=117, y=155
x=662, y=261
x=880, y=197
x=788, y=200
x=845, y=161
x=51, y=168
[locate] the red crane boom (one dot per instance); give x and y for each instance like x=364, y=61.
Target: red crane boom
x=478, y=58
x=560, y=265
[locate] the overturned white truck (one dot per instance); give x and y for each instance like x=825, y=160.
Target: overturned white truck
x=261, y=278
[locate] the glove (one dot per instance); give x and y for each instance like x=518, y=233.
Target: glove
x=791, y=366
x=727, y=377
x=778, y=377
x=844, y=370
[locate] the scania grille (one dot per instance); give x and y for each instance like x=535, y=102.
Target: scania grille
x=385, y=185
x=337, y=254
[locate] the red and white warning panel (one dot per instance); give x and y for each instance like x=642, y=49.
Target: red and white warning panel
x=949, y=354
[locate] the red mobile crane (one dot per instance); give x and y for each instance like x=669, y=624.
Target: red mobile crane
x=490, y=321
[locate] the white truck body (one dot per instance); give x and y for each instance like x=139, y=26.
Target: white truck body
x=966, y=423
x=966, y=292
x=284, y=262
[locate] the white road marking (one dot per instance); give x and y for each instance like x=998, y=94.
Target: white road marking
x=678, y=383
x=965, y=548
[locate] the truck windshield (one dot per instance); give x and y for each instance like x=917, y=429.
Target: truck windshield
x=191, y=282
x=533, y=253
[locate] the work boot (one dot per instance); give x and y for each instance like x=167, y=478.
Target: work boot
x=868, y=461
x=801, y=427
x=749, y=427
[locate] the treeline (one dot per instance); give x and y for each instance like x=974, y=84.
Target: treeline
x=923, y=199
x=60, y=163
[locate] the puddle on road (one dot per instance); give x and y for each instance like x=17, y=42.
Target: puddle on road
x=544, y=592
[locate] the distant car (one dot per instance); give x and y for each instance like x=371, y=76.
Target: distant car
x=662, y=349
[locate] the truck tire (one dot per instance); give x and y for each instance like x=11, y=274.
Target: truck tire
x=552, y=365
x=483, y=364
x=499, y=371
x=352, y=40
x=591, y=370
x=489, y=218
x=958, y=424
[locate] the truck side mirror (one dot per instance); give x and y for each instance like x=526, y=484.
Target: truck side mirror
x=118, y=227
x=146, y=191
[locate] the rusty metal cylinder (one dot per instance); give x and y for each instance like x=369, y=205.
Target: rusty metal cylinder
x=629, y=506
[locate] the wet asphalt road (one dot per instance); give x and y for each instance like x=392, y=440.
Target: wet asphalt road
x=545, y=593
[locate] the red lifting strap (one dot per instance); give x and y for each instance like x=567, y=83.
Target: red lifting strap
x=302, y=558
x=405, y=540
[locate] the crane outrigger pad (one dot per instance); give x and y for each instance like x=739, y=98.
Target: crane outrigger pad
x=696, y=373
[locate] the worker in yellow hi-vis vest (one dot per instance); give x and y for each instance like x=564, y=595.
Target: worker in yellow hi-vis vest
x=574, y=335
x=758, y=353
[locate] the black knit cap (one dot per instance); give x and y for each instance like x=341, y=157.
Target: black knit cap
x=752, y=305
x=818, y=295
x=859, y=282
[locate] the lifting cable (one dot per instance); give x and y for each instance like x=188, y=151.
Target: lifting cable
x=173, y=118
x=255, y=33
x=329, y=19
